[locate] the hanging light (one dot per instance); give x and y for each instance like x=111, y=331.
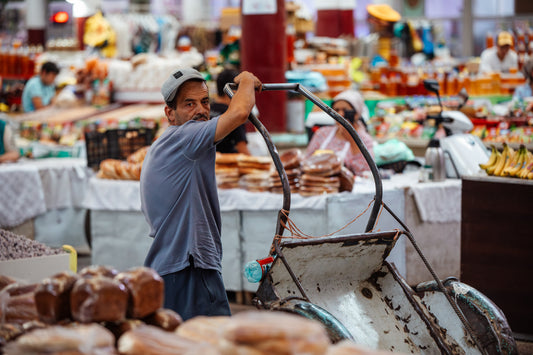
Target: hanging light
x=60, y=17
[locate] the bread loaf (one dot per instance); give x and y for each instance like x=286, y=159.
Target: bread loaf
x=165, y=319
x=8, y=332
x=138, y=156
x=4, y=281
x=82, y=339
x=277, y=333
x=146, y=291
x=203, y=328
x=98, y=299
x=150, y=340
x=52, y=297
x=18, y=309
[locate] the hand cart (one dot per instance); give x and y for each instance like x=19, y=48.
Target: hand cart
x=345, y=282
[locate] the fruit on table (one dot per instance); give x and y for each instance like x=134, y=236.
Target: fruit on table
x=509, y=162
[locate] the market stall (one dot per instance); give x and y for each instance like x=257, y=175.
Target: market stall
x=119, y=232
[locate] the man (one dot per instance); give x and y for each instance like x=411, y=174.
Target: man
x=501, y=58
x=8, y=149
x=235, y=142
x=380, y=41
x=40, y=90
x=179, y=193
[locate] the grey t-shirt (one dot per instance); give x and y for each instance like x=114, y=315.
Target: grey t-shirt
x=179, y=198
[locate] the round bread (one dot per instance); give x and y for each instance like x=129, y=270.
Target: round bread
x=203, y=328
x=347, y=180
x=323, y=164
x=316, y=180
x=227, y=158
x=291, y=158
x=55, y=339
x=150, y=340
x=277, y=333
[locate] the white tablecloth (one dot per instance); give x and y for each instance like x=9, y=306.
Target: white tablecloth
x=49, y=191
x=438, y=202
x=21, y=194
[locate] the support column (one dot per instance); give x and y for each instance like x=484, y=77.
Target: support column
x=468, y=30
x=36, y=15
x=335, y=18
x=264, y=53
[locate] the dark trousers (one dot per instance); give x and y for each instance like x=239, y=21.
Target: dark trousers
x=193, y=292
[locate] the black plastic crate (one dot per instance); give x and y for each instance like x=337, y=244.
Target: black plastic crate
x=115, y=144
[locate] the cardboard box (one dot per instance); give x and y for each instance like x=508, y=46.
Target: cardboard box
x=35, y=269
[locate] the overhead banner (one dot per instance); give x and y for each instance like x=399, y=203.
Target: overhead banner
x=259, y=7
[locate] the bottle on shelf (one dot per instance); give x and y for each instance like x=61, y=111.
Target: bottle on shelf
x=255, y=270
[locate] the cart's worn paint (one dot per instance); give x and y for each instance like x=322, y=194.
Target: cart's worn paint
x=345, y=283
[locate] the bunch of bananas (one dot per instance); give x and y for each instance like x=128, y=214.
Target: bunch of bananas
x=510, y=162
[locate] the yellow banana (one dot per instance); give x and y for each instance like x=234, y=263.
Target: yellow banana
x=490, y=169
x=528, y=166
x=516, y=163
x=503, y=161
x=492, y=159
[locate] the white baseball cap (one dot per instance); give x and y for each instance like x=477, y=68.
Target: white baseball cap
x=172, y=84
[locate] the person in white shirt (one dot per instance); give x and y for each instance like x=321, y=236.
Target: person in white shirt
x=500, y=58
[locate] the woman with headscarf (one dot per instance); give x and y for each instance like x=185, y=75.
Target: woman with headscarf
x=350, y=105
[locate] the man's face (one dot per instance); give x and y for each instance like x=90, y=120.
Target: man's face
x=192, y=104
x=48, y=78
x=502, y=50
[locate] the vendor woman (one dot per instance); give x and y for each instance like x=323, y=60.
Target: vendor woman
x=8, y=149
x=350, y=105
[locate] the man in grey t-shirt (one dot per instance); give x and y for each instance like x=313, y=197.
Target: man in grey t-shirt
x=179, y=195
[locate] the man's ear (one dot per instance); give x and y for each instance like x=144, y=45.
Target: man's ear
x=168, y=113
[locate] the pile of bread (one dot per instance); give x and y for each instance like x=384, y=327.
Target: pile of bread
x=315, y=175
x=129, y=169
x=102, y=312
x=234, y=170
x=323, y=172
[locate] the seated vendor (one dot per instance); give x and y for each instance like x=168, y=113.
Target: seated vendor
x=349, y=104
x=8, y=149
x=40, y=90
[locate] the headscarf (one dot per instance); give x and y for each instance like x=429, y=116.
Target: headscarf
x=355, y=99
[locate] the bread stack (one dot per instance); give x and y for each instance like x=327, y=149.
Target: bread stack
x=227, y=170
x=249, y=164
x=320, y=174
x=291, y=161
x=255, y=182
x=129, y=169
x=59, y=305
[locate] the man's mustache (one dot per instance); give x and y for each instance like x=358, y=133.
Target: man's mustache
x=200, y=116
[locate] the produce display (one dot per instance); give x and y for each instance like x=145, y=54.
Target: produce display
x=14, y=246
x=510, y=162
